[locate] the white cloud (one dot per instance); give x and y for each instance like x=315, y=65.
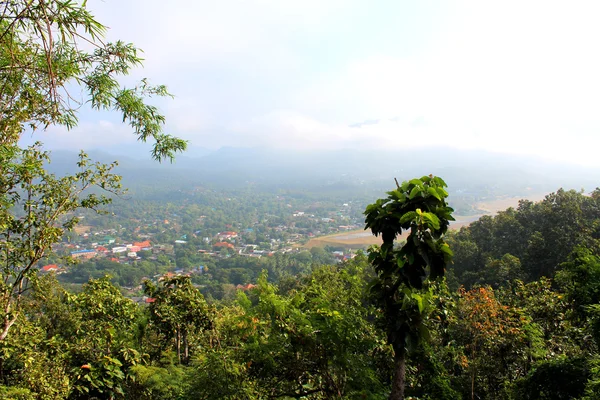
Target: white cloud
x=510, y=76
x=87, y=135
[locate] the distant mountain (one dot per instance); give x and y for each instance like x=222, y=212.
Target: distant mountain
x=466, y=171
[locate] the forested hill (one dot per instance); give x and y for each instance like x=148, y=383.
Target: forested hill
x=529, y=242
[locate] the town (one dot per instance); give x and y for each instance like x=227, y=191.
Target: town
x=210, y=240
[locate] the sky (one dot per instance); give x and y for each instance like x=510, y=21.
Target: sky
x=507, y=76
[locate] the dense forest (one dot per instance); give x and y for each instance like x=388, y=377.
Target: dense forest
x=518, y=319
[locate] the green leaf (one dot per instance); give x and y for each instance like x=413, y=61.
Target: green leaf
x=419, y=300
x=432, y=191
x=415, y=191
x=433, y=220
x=409, y=216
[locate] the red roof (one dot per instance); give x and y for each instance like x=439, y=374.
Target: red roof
x=101, y=249
x=50, y=267
x=150, y=300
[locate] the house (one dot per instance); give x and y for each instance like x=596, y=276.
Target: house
x=167, y=275
x=109, y=240
x=87, y=254
x=50, y=268
x=224, y=245
x=245, y=287
x=143, y=245
x=227, y=235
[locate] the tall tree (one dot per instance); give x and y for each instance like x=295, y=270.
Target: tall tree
x=44, y=62
x=33, y=216
x=178, y=311
x=418, y=207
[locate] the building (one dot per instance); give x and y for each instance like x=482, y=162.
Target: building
x=86, y=254
x=50, y=268
x=223, y=245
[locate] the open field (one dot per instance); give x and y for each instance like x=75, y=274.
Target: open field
x=79, y=229
x=357, y=239
x=360, y=239
x=493, y=206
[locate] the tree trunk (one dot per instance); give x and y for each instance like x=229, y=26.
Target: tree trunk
x=399, y=376
x=186, y=348
x=473, y=384
x=178, y=344
x=473, y=373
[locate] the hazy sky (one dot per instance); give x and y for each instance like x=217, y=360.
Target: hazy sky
x=509, y=76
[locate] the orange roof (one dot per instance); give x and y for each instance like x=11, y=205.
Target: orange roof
x=145, y=243
x=245, y=287
x=49, y=267
x=223, y=244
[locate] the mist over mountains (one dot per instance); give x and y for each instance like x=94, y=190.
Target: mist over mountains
x=467, y=172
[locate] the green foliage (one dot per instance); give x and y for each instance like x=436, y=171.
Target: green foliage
x=164, y=381
x=42, y=58
x=309, y=330
x=102, y=349
x=220, y=375
x=419, y=207
x=541, y=236
x=35, y=211
x=592, y=388
x=42, y=63
x=316, y=341
x=579, y=277
x=178, y=312
x=15, y=393
x=557, y=379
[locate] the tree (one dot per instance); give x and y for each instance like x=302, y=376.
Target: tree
x=419, y=207
x=494, y=338
x=316, y=341
x=579, y=278
x=104, y=342
x=43, y=63
x=33, y=216
x=178, y=311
